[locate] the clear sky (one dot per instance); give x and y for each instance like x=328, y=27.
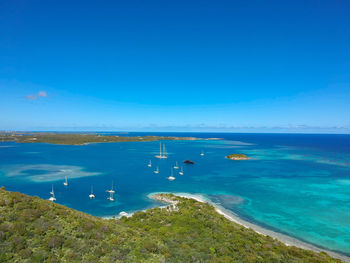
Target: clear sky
x=177, y=65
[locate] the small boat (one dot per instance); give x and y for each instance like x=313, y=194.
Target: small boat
x=111, y=198
x=150, y=164
x=171, y=177
x=52, y=198
x=65, y=182
x=188, y=162
x=176, y=166
x=202, y=153
x=92, y=196
x=181, y=171
x=111, y=191
x=157, y=170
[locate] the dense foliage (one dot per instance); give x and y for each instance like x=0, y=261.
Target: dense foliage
x=79, y=139
x=36, y=230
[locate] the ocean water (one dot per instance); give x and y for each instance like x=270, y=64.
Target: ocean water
x=295, y=184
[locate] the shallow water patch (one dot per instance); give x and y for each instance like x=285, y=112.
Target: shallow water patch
x=45, y=172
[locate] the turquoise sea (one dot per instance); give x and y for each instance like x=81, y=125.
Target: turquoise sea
x=295, y=184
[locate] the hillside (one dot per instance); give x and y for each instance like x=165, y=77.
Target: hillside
x=36, y=230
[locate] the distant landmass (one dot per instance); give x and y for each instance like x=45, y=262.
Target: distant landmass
x=80, y=138
x=36, y=230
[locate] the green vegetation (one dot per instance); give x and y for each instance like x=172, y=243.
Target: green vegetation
x=237, y=156
x=80, y=139
x=36, y=230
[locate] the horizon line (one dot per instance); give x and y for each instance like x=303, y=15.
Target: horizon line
x=133, y=131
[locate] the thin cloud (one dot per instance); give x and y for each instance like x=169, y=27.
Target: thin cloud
x=31, y=97
x=42, y=94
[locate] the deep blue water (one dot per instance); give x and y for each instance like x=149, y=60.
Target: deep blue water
x=297, y=184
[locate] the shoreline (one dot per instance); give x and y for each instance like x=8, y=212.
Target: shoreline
x=79, y=139
x=285, y=239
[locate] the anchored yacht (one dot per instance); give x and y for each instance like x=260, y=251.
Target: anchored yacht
x=65, y=182
x=162, y=155
x=52, y=198
x=92, y=196
x=171, y=177
x=181, y=171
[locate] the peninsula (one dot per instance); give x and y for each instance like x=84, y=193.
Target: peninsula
x=36, y=230
x=80, y=138
x=237, y=157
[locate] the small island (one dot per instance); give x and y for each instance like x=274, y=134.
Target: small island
x=237, y=157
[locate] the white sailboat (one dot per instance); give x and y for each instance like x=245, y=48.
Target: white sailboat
x=65, y=182
x=111, y=193
x=202, y=153
x=92, y=196
x=150, y=164
x=157, y=170
x=181, y=171
x=176, y=166
x=162, y=155
x=52, y=198
x=110, y=198
x=164, y=152
x=171, y=177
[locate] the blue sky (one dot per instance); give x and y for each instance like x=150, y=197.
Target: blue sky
x=274, y=66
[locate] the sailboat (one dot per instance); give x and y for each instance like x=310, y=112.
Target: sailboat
x=65, y=182
x=182, y=171
x=162, y=155
x=150, y=164
x=111, y=192
x=202, y=153
x=110, y=198
x=171, y=177
x=92, y=196
x=176, y=166
x=157, y=170
x=52, y=198
x=164, y=152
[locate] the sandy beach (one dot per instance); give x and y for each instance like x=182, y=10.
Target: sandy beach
x=287, y=240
